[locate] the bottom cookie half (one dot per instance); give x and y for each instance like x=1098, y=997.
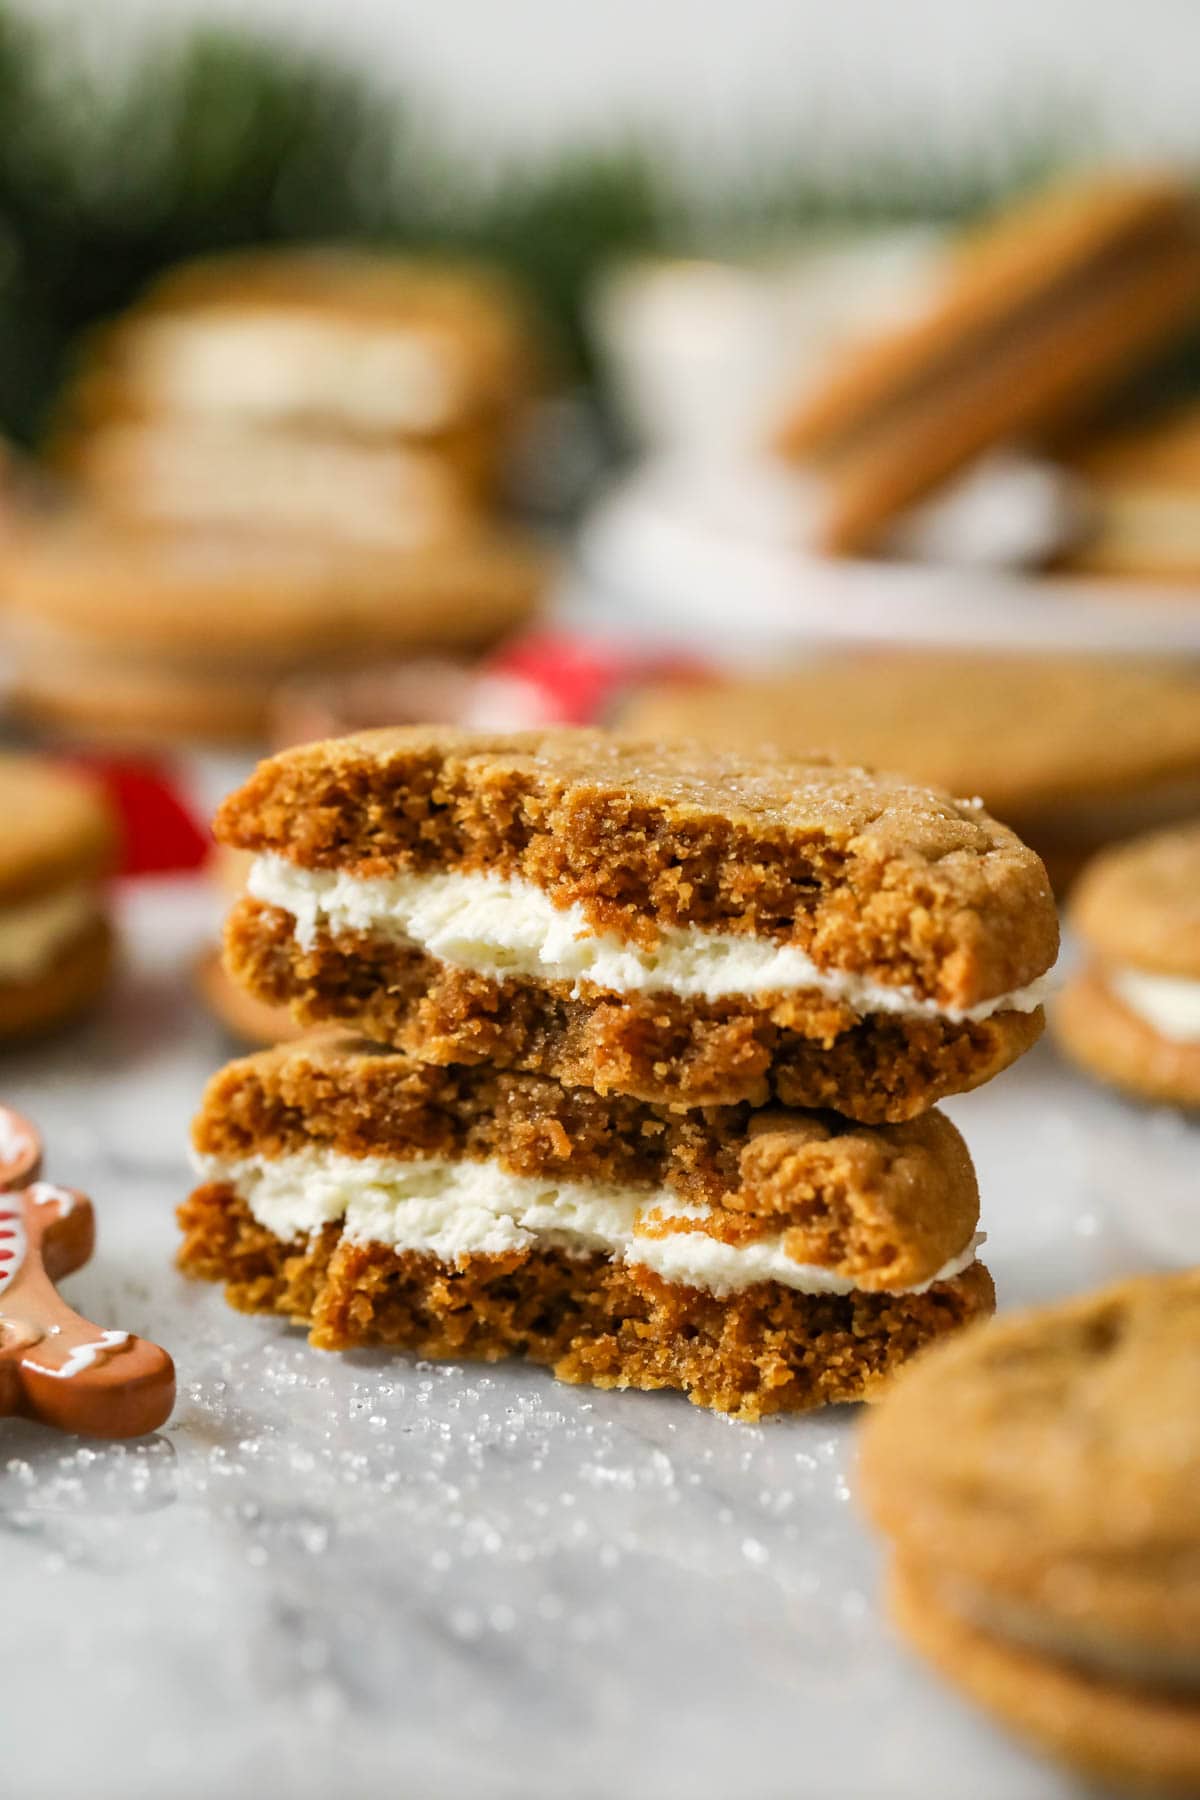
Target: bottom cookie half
x=760, y=1350
x=1099, y=1033
x=1140, y=1739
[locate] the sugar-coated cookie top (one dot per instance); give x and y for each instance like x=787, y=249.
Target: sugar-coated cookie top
x=1139, y=903
x=864, y=871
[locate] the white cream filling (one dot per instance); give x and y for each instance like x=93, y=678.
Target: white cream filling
x=1086, y=1644
x=456, y=1209
x=33, y=933
x=504, y=926
x=262, y=365
x=1169, y=1004
x=399, y=497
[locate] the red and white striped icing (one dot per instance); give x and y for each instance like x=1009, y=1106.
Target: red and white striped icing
x=12, y=1238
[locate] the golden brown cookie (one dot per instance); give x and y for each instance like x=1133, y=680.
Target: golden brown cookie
x=209, y=600
x=1140, y=1739
x=1131, y=1015
x=758, y=1260
x=1039, y=1481
x=1072, y=752
x=55, y=940
x=667, y=922
x=1038, y=315
x=1102, y=1033
x=1140, y=903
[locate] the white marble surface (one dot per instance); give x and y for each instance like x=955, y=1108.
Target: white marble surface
x=369, y=1577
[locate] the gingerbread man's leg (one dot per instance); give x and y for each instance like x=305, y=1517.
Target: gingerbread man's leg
x=54, y=1365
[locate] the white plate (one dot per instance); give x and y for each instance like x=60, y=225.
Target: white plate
x=661, y=555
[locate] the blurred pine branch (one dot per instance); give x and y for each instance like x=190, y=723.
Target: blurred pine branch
x=225, y=139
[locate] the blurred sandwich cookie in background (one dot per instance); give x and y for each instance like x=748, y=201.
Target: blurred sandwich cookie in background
x=1037, y=1479
x=56, y=941
x=1131, y=1015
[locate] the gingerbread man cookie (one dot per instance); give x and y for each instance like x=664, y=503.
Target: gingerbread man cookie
x=55, y=1366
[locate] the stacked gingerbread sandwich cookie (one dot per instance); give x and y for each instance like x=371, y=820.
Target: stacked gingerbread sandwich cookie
x=277, y=464
x=629, y=1058
x=1130, y=1014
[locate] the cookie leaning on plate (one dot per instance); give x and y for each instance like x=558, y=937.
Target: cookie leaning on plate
x=759, y=1261
x=1039, y=1480
x=1131, y=1015
x=1040, y=312
x=56, y=943
x=669, y=922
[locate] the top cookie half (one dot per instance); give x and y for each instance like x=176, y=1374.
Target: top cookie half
x=685, y=926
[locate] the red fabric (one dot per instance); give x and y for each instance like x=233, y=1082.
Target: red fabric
x=560, y=678
x=160, y=834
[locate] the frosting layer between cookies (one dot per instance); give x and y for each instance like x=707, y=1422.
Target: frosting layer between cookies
x=506, y=926
x=1090, y=1645
x=455, y=1209
x=261, y=365
x=1169, y=1004
x=33, y=932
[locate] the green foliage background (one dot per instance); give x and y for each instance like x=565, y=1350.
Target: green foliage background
x=225, y=139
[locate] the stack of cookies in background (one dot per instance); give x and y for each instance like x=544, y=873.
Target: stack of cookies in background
x=281, y=461
x=636, y=1061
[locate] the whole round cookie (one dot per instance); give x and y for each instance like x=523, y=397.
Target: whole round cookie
x=55, y=938
x=153, y=635
x=254, y=600
x=1039, y=1478
x=1131, y=1014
